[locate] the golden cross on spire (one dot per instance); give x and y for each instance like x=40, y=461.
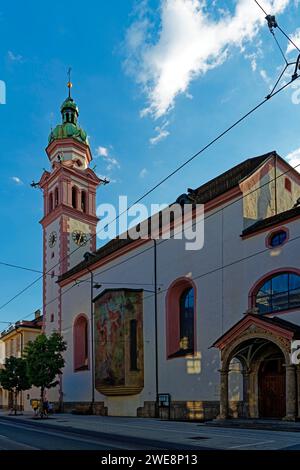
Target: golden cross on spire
x=69, y=82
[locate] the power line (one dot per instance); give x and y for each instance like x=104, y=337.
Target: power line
x=176, y=170
x=261, y=7
x=207, y=273
x=214, y=213
x=277, y=25
x=229, y=264
x=24, y=268
x=180, y=167
x=79, y=280
x=235, y=201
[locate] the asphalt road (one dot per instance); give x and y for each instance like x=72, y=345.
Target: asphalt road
x=131, y=434
x=23, y=436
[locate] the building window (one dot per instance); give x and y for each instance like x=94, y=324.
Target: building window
x=83, y=201
x=52, y=317
x=277, y=238
x=56, y=197
x=133, y=345
x=50, y=202
x=74, y=197
x=187, y=320
x=180, y=318
x=81, y=343
x=279, y=292
x=288, y=184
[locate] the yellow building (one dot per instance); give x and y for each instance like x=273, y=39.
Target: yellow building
x=12, y=343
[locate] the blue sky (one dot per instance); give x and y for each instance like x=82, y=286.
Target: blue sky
x=154, y=82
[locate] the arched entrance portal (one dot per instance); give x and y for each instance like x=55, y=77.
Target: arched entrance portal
x=264, y=378
x=271, y=382
x=271, y=387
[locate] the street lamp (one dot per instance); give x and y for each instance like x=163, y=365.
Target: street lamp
x=96, y=285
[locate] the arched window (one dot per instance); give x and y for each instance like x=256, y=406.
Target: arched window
x=180, y=318
x=56, y=197
x=81, y=359
x=50, y=202
x=186, y=321
x=277, y=293
x=83, y=201
x=74, y=197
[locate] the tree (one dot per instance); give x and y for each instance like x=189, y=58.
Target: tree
x=14, y=377
x=45, y=361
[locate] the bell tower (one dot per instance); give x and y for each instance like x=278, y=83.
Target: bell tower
x=69, y=222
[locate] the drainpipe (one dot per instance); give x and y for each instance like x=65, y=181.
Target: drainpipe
x=92, y=341
x=21, y=350
x=275, y=177
x=156, y=327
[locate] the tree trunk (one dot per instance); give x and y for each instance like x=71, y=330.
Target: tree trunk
x=15, y=402
x=42, y=402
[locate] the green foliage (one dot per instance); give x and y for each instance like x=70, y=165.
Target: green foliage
x=14, y=377
x=44, y=360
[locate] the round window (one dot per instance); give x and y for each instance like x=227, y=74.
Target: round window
x=277, y=238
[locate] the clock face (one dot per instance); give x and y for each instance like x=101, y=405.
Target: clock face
x=52, y=239
x=79, y=237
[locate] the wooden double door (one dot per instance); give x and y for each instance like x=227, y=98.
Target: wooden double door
x=271, y=389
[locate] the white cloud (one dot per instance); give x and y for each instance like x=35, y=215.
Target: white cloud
x=293, y=159
x=14, y=57
x=296, y=39
x=189, y=43
x=296, y=93
x=143, y=173
x=161, y=133
x=266, y=78
x=111, y=162
x=17, y=180
x=102, y=151
x=254, y=56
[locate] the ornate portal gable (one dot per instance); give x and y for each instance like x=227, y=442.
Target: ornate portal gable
x=252, y=327
x=254, y=341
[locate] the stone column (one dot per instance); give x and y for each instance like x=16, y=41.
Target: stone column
x=246, y=392
x=291, y=393
x=224, y=394
x=298, y=388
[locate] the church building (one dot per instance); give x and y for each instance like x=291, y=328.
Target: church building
x=153, y=329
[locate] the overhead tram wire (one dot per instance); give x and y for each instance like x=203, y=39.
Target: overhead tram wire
x=180, y=167
x=214, y=213
x=193, y=278
x=280, y=29
x=220, y=268
x=219, y=136
x=78, y=281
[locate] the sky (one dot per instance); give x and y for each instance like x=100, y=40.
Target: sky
x=155, y=81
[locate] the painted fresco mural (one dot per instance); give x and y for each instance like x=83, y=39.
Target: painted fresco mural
x=119, y=362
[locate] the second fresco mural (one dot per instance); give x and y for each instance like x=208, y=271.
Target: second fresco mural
x=119, y=342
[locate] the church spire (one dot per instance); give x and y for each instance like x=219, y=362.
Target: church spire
x=69, y=113
x=70, y=84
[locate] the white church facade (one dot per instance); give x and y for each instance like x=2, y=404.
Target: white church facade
x=207, y=332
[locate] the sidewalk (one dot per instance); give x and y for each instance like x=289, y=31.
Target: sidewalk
x=264, y=424
x=232, y=434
